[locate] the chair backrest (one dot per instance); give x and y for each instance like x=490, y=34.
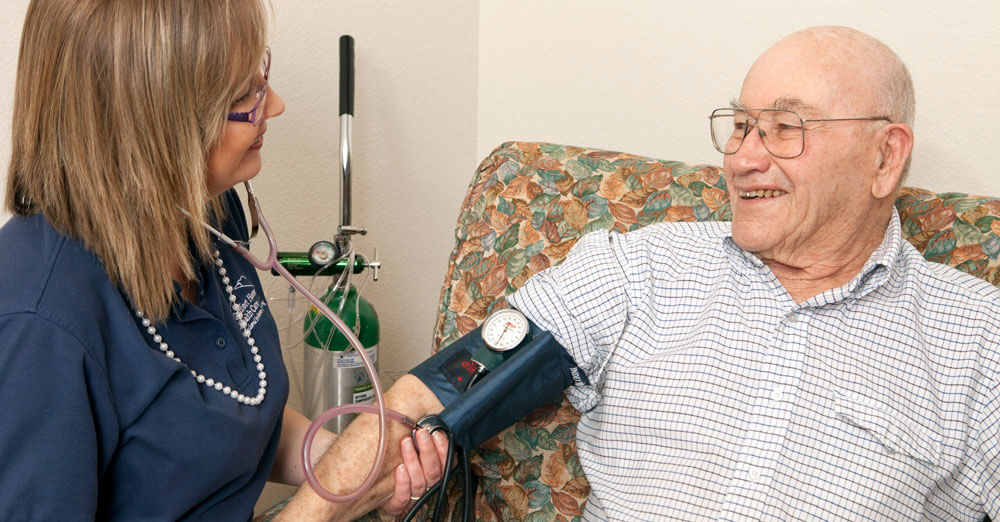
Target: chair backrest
x=530, y=202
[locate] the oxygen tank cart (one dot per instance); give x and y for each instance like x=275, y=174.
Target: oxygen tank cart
x=333, y=374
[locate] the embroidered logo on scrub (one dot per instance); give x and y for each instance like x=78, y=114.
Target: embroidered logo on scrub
x=251, y=306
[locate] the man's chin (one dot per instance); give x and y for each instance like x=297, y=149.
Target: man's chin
x=753, y=237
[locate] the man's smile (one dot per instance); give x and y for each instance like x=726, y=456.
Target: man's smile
x=757, y=194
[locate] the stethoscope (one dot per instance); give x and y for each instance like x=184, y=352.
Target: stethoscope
x=271, y=263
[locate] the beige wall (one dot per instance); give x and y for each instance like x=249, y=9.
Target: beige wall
x=10, y=33
x=642, y=75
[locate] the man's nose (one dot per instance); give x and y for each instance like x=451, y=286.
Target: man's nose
x=752, y=155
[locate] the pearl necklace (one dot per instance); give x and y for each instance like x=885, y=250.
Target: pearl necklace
x=208, y=381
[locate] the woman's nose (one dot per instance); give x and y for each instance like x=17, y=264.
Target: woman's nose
x=275, y=103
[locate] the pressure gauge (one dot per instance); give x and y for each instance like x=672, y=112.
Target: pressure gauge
x=323, y=253
x=504, y=329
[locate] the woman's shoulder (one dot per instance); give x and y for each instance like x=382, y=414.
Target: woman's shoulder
x=42, y=269
x=56, y=296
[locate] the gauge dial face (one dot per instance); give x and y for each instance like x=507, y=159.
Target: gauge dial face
x=322, y=253
x=504, y=329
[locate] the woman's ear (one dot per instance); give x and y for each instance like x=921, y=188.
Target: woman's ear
x=894, y=147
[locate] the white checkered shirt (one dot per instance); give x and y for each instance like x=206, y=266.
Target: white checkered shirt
x=716, y=396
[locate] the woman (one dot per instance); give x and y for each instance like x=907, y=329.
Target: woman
x=139, y=367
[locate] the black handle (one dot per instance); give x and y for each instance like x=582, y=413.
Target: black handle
x=346, y=75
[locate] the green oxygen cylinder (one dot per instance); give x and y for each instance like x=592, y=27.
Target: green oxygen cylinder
x=334, y=373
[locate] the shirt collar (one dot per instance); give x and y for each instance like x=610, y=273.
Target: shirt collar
x=881, y=263
x=876, y=270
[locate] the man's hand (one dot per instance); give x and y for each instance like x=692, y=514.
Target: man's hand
x=344, y=466
x=417, y=472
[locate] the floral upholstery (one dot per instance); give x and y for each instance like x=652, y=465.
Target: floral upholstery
x=527, y=205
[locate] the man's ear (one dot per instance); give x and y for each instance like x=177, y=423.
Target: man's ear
x=894, y=147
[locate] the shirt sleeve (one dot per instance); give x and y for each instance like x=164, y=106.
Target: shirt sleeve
x=584, y=302
x=49, y=433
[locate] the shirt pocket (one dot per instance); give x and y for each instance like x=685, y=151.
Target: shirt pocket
x=894, y=431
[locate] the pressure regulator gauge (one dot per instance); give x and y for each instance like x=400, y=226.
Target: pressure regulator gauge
x=323, y=253
x=505, y=329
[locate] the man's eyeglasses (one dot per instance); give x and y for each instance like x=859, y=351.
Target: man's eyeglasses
x=255, y=114
x=782, y=132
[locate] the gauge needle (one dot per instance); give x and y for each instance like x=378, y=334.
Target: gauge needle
x=505, y=328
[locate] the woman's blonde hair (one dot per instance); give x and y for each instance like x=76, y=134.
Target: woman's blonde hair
x=117, y=106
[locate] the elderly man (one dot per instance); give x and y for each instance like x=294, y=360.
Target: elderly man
x=803, y=362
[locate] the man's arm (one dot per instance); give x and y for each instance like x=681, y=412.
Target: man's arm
x=348, y=461
x=287, y=463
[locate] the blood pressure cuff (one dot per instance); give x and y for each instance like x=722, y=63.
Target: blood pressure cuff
x=519, y=381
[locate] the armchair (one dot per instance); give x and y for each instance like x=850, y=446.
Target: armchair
x=527, y=205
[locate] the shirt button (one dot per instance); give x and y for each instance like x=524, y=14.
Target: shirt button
x=791, y=318
x=777, y=394
x=755, y=474
x=220, y=342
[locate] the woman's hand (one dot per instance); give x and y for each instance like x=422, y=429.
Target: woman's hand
x=417, y=472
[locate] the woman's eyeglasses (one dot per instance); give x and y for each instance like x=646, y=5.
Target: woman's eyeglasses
x=255, y=114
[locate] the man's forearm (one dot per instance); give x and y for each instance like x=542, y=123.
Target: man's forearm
x=348, y=461
x=287, y=467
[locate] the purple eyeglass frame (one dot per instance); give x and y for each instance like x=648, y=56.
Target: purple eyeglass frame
x=251, y=116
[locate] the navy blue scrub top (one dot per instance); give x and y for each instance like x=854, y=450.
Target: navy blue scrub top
x=95, y=422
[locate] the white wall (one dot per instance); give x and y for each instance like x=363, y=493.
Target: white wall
x=10, y=34
x=642, y=76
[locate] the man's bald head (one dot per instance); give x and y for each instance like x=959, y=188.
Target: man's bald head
x=861, y=71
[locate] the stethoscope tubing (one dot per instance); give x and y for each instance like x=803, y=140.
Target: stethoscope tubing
x=271, y=263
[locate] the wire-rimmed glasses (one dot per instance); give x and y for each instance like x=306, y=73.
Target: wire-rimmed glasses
x=255, y=114
x=782, y=132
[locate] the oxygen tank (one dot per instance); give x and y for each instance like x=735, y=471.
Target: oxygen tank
x=334, y=374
